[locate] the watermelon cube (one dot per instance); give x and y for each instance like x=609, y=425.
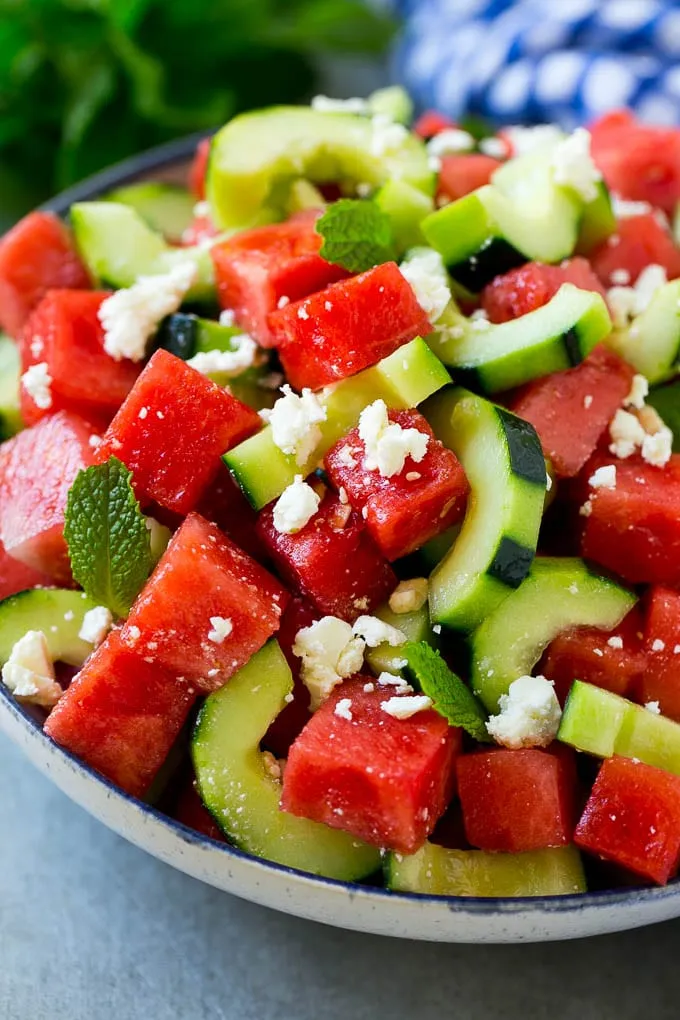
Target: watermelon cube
x=385, y=780
x=172, y=431
x=15, y=576
x=36, y=255
x=661, y=680
x=459, y=175
x=571, y=410
x=347, y=327
x=517, y=800
x=639, y=241
x=257, y=269
x=332, y=561
x=290, y=721
x=406, y=510
x=64, y=332
x=431, y=123
x=199, y=169
x=37, y=468
x=531, y=286
x=225, y=505
x=188, y=809
x=121, y=715
x=206, y=608
x=632, y=818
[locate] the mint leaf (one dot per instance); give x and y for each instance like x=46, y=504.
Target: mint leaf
x=107, y=537
x=451, y=697
x=356, y=235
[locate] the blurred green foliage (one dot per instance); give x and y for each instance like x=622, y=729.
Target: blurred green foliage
x=84, y=83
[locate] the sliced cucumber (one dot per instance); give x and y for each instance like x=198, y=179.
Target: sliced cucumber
x=651, y=344
x=394, y=102
x=402, y=380
x=10, y=371
x=558, y=594
x=256, y=157
x=503, y=461
x=434, y=551
x=57, y=612
x=416, y=626
x=241, y=793
x=437, y=871
x=406, y=207
x=554, y=337
x=604, y=724
x=598, y=221
x=666, y=400
x=118, y=247
x=167, y=208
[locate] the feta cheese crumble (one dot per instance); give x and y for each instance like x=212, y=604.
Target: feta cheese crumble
x=295, y=423
x=620, y=277
x=295, y=507
x=387, y=444
x=131, y=315
x=658, y=645
x=326, y=104
x=37, y=383
x=343, y=709
x=638, y=391
x=624, y=209
x=330, y=653
x=573, y=166
x=615, y=641
x=386, y=136
x=376, y=632
x=604, y=477
x=403, y=706
x=220, y=629
x=529, y=714
x=527, y=139
x=96, y=624
x=627, y=302
x=29, y=671
x=227, y=317
x=409, y=596
x=494, y=147
x=653, y=707
x=228, y=363
x=629, y=435
x=449, y=141
x=426, y=274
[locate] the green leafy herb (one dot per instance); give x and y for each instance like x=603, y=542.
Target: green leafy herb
x=451, y=697
x=108, y=540
x=356, y=235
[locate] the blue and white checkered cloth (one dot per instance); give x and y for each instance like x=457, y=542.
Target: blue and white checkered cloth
x=529, y=61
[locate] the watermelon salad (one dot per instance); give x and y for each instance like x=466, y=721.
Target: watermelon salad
x=339, y=507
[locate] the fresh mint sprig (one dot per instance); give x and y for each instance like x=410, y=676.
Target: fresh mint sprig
x=450, y=695
x=356, y=235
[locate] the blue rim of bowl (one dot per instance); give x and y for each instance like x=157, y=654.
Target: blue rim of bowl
x=163, y=157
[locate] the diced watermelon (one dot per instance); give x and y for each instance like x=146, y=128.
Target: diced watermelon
x=638, y=242
x=587, y=654
x=460, y=175
x=384, y=780
x=16, y=576
x=172, y=431
x=225, y=505
x=258, y=269
x=289, y=723
x=661, y=680
x=37, y=468
x=514, y=801
x=634, y=528
x=36, y=255
x=528, y=287
x=199, y=168
x=64, y=332
x=121, y=715
x=431, y=123
x=347, y=327
x=639, y=162
x=359, y=579
x=571, y=410
x=200, y=229
x=206, y=608
x=406, y=510
x=633, y=818
x=189, y=810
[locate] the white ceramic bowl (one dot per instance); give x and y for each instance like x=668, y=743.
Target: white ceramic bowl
x=443, y=919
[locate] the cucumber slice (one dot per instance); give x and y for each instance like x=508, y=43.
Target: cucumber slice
x=57, y=612
x=118, y=246
x=406, y=207
x=394, y=102
x=666, y=400
x=598, y=221
x=559, y=593
x=552, y=338
x=416, y=626
x=651, y=344
x=437, y=871
x=10, y=371
x=434, y=551
x=256, y=157
x=603, y=724
x=240, y=792
x=167, y=208
x=402, y=380
x=503, y=461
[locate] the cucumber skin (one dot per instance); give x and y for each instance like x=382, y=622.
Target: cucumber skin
x=42, y=609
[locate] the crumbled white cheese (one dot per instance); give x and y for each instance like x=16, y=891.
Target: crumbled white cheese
x=615, y=641
x=528, y=139
x=227, y=317
x=426, y=274
x=29, y=671
x=386, y=136
x=653, y=707
x=131, y=315
x=573, y=166
x=638, y=391
x=494, y=147
x=409, y=596
x=657, y=448
x=295, y=507
x=330, y=653
x=96, y=624
x=587, y=509
x=394, y=680
x=346, y=458
x=302, y=313
x=94, y=441
x=387, y=444
x=295, y=423
x=529, y=714
x=369, y=688
x=450, y=140
x=403, y=706
x=620, y=277
x=343, y=709
x=658, y=645
x=376, y=632
x=220, y=629
x=201, y=210
x=37, y=383
x=604, y=477
x=627, y=434
x=623, y=209
x=326, y=104
x=627, y=302
x=228, y=363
